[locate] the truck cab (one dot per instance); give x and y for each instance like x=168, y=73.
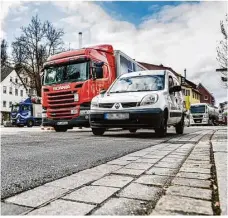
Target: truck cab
x=150, y=99
x=203, y=114
x=25, y=113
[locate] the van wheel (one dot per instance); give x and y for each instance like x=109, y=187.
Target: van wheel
x=98, y=131
x=162, y=130
x=30, y=123
x=180, y=126
x=132, y=130
x=60, y=129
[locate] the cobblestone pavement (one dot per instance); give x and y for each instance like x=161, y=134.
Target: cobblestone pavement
x=171, y=178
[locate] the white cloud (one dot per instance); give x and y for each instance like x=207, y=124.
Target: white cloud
x=183, y=36
x=14, y=8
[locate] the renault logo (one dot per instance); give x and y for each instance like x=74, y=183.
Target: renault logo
x=117, y=106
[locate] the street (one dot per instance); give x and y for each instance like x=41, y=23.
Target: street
x=32, y=157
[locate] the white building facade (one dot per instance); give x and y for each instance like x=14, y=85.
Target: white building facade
x=12, y=91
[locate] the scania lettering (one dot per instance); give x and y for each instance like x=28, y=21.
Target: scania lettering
x=71, y=79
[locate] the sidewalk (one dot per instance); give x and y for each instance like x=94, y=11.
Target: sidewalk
x=219, y=143
x=172, y=178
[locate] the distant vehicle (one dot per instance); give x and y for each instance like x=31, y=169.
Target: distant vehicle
x=150, y=99
x=26, y=113
x=71, y=79
x=203, y=114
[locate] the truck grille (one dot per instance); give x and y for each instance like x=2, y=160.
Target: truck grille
x=197, y=116
x=61, y=104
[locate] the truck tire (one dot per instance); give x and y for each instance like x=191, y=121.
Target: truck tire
x=60, y=128
x=30, y=123
x=98, y=131
x=132, y=130
x=162, y=130
x=180, y=126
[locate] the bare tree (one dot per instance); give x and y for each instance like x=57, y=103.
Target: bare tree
x=4, y=55
x=222, y=51
x=37, y=42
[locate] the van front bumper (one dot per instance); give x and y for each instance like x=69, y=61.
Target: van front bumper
x=141, y=118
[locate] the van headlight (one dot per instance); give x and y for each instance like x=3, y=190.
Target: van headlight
x=76, y=97
x=94, y=104
x=149, y=99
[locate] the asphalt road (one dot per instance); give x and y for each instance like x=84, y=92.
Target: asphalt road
x=31, y=157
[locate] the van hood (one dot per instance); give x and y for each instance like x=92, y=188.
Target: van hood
x=123, y=97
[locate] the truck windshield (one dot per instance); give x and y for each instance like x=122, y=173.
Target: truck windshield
x=138, y=84
x=66, y=73
x=15, y=108
x=197, y=109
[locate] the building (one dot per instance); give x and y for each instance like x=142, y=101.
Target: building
x=12, y=90
x=206, y=96
x=192, y=95
x=189, y=89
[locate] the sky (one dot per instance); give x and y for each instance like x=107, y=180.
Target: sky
x=176, y=34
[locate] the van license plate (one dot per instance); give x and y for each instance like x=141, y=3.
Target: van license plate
x=116, y=116
x=62, y=123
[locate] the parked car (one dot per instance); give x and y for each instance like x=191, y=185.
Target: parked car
x=150, y=99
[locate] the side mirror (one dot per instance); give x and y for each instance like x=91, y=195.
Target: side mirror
x=42, y=76
x=175, y=89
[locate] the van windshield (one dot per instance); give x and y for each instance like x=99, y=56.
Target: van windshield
x=66, y=73
x=197, y=109
x=138, y=84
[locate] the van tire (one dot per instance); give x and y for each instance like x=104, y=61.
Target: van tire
x=162, y=130
x=60, y=129
x=98, y=131
x=180, y=126
x=30, y=123
x=132, y=130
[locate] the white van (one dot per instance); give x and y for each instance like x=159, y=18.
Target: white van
x=150, y=99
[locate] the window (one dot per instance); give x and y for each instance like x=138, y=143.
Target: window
x=34, y=92
x=4, y=103
x=16, y=92
x=171, y=83
x=193, y=94
x=26, y=80
x=125, y=65
x=21, y=93
x=183, y=91
x=11, y=79
x=205, y=97
x=16, y=80
x=10, y=91
x=10, y=104
x=4, y=89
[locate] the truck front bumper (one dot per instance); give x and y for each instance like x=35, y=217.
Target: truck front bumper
x=141, y=118
x=81, y=121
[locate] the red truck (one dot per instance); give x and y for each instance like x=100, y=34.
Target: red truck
x=71, y=79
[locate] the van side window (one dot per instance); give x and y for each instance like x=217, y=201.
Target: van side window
x=171, y=83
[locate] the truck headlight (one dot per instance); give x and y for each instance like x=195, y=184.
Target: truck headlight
x=76, y=97
x=149, y=99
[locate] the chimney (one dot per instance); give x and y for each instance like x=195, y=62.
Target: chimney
x=80, y=39
x=185, y=73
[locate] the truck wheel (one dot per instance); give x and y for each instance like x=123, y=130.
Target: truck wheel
x=132, y=130
x=180, y=127
x=98, y=131
x=30, y=123
x=60, y=129
x=162, y=130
